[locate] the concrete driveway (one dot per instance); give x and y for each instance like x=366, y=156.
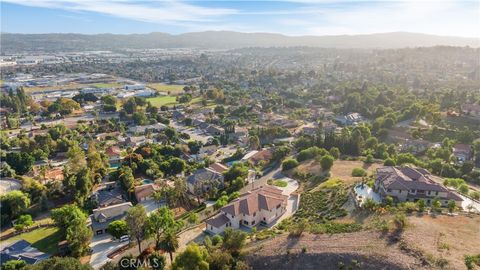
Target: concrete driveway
x=102, y=245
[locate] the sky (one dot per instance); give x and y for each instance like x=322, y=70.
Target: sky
x=289, y=17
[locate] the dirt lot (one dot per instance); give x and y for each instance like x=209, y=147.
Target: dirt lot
x=341, y=169
x=445, y=237
x=361, y=250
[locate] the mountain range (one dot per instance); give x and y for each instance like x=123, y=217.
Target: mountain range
x=11, y=42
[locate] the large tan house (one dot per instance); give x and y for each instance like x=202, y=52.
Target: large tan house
x=262, y=205
x=406, y=184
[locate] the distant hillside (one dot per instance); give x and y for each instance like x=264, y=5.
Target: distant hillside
x=220, y=40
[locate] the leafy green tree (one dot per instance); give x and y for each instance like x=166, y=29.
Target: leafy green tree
x=169, y=243
x=280, y=153
x=436, y=205
x=254, y=142
x=78, y=237
x=326, y=162
x=193, y=218
x=97, y=163
x=20, y=162
x=126, y=178
x=289, y=164
x=72, y=222
x=161, y=221
x=451, y=206
x=23, y=221
x=118, y=228
x=335, y=152
x=238, y=170
x=59, y=263
x=13, y=203
x=421, y=205
x=76, y=158
x=136, y=219
x=194, y=257
x=221, y=202
x=14, y=265
x=463, y=188
x=130, y=106
x=389, y=162
x=234, y=240
x=219, y=260
x=83, y=186
x=7, y=171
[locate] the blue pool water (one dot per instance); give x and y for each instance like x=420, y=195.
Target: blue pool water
x=147, y=181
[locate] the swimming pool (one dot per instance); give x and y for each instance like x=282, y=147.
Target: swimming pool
x=147, y=181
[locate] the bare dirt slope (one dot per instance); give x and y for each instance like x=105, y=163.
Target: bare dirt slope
x=362, y=250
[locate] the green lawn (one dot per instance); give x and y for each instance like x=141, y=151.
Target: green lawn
x=162, y=100
x=44, y=239
x=280, y=183
x=107, y=85
x=174, y=89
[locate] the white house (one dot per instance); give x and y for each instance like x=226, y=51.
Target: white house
x=262, y=205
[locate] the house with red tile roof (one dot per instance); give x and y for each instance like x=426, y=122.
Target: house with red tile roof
x=262, y=205
x=406, y=184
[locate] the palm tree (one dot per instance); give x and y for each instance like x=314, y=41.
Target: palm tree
x=169, y=243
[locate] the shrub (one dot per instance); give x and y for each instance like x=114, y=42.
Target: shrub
x=421, y=205
x=463, y=188
x=326, y=162
x=475, y=195
x=289, y=164
x=400, y=221
x=471, y=260
x=409, y=207
x=335, y=152
x=22, y=222
x=280, y=183
x=369, y=159
x=310, y=153
x=359, y=172
x=389, y=162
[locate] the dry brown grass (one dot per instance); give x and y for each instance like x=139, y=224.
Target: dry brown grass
x=448, y=237
x=342, y=169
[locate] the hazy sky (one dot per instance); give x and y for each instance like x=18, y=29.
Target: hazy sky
x=295, y=17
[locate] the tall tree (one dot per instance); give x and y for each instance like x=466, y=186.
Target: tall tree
x=169, y=243
x=137, y=223
x=160, y=222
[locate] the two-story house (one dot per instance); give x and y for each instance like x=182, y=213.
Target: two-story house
x=262, y=205
x=101, y=217
x=406, y=184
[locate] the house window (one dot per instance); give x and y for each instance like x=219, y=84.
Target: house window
x=245, y=222
x=255, y=213
x=436, y=193
x=253, y=222
x=389, y=190
x=278, y=206
x=264, y=219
